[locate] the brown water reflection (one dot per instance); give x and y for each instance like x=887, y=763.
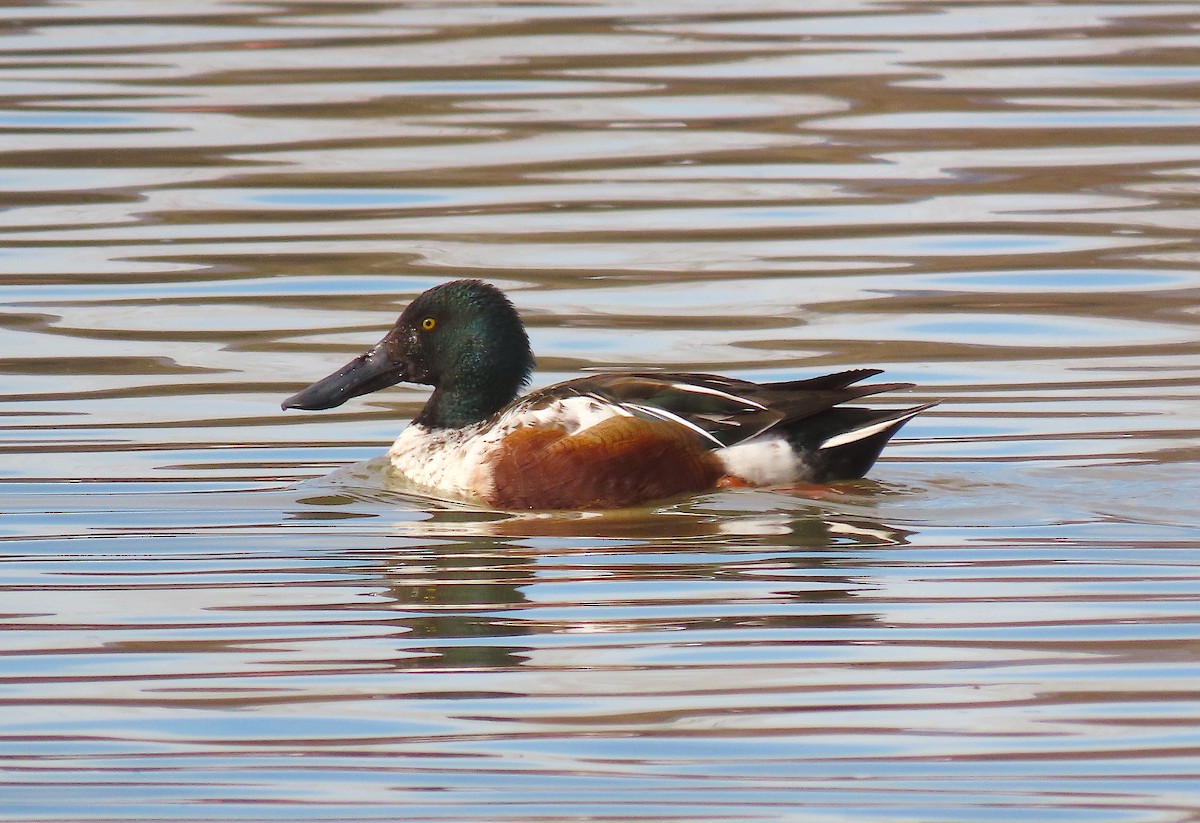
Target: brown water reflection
x=212, y=611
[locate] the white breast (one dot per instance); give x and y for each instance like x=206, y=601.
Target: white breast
x=447, y=460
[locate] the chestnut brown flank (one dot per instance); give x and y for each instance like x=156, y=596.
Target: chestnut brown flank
x=618, y=462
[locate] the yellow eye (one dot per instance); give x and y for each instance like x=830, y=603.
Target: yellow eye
x=428, y=323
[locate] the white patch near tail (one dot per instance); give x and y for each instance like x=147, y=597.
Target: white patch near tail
x=868, y=431
x=766, y=461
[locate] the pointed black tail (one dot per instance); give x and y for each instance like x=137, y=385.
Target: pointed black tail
x=844, y=442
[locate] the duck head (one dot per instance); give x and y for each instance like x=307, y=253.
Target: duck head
x=464, y=338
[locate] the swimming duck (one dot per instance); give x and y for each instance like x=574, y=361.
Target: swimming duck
x=602, y=441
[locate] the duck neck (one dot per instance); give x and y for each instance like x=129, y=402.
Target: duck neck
x=458, y=408
x=475, y=392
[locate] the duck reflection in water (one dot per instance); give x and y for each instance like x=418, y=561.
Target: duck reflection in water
x=468, y=584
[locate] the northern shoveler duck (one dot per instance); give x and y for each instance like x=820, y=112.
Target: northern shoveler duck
x=603, y=441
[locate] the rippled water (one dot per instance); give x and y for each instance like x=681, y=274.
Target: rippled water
x=213, y=610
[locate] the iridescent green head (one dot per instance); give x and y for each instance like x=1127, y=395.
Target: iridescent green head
x=464, y=338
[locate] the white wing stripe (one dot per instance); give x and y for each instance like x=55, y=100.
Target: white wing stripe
x=663, y=414
x=691, y=387
x=865, y=432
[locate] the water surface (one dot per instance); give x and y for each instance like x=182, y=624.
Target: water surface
x=213, y=610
